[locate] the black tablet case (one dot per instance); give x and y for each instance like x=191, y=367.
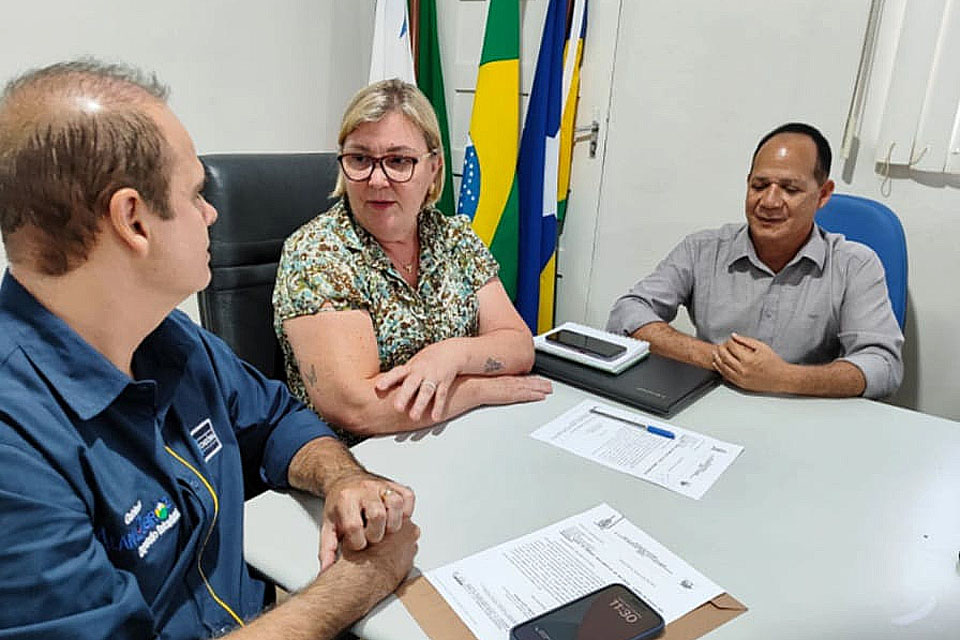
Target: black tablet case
x=656, y=384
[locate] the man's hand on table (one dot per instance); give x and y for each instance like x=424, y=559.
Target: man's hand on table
x=381, y=567
x=359, y=508
x=751, y=364
x=362, y=509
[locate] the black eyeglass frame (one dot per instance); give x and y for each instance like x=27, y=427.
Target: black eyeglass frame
x=378, y=161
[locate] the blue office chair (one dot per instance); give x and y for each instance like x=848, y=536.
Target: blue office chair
x=875, y=225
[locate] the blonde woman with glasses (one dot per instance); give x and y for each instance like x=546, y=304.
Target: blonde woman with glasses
x=390, y=313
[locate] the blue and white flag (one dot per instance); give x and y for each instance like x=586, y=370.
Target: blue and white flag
x=392, y=56
x=470, y=184
x=537, y=167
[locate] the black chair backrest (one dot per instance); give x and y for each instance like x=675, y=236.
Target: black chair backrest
x=261, y=198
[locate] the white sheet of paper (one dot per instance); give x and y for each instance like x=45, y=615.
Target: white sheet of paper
x=688, y=464
x=494, y=590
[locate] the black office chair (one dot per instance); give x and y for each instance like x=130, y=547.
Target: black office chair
x=261, y=198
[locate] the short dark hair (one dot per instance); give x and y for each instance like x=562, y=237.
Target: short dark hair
x=71, y=135
x=821, y=170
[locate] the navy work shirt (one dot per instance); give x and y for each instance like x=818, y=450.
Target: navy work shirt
x=121, y=501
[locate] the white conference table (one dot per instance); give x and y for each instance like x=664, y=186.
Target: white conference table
x=841, y=519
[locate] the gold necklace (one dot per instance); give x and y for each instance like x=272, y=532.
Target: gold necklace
x=407, y=267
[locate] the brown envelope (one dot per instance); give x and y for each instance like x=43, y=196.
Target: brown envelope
x=438, y=620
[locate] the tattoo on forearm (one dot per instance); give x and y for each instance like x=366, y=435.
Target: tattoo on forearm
x=492, y=365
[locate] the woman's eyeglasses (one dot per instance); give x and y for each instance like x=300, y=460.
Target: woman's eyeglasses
x=398, y=168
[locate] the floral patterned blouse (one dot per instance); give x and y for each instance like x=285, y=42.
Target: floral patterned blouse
x=332, y=263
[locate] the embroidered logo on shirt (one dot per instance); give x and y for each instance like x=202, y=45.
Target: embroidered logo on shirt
x=133, y=513
x=207, y=439
x=143, y=529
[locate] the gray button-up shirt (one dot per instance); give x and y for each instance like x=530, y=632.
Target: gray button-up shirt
x=830, y=301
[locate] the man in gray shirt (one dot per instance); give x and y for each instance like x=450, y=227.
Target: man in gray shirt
x=779, y=305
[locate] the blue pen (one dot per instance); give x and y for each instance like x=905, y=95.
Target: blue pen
x=657, y=431
x=660, y=432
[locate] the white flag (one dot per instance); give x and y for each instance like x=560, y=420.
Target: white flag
x=392, y=56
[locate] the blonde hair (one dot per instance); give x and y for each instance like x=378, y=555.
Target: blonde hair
x=374, y=102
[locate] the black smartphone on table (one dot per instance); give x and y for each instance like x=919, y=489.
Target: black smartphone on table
x=586, y=344
x=611, y=613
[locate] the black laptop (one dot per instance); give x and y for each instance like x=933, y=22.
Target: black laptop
x=656, y=384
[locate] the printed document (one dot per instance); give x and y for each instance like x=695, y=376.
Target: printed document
x=501, y=587
x=689, y=463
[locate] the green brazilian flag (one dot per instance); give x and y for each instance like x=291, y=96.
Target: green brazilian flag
x=430, y=81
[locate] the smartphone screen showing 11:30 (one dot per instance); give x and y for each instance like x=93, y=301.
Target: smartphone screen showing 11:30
x=611, y=613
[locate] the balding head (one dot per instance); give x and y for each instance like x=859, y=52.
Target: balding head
x=71, y=135
x=823, y=158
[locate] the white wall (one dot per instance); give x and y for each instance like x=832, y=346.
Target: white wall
x=693, y=88
x=245, y=75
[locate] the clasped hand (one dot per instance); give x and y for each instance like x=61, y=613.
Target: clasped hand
x=750, y=364
x=360, y=509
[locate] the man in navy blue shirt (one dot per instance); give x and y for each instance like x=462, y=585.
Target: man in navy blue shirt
x=127, y=433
